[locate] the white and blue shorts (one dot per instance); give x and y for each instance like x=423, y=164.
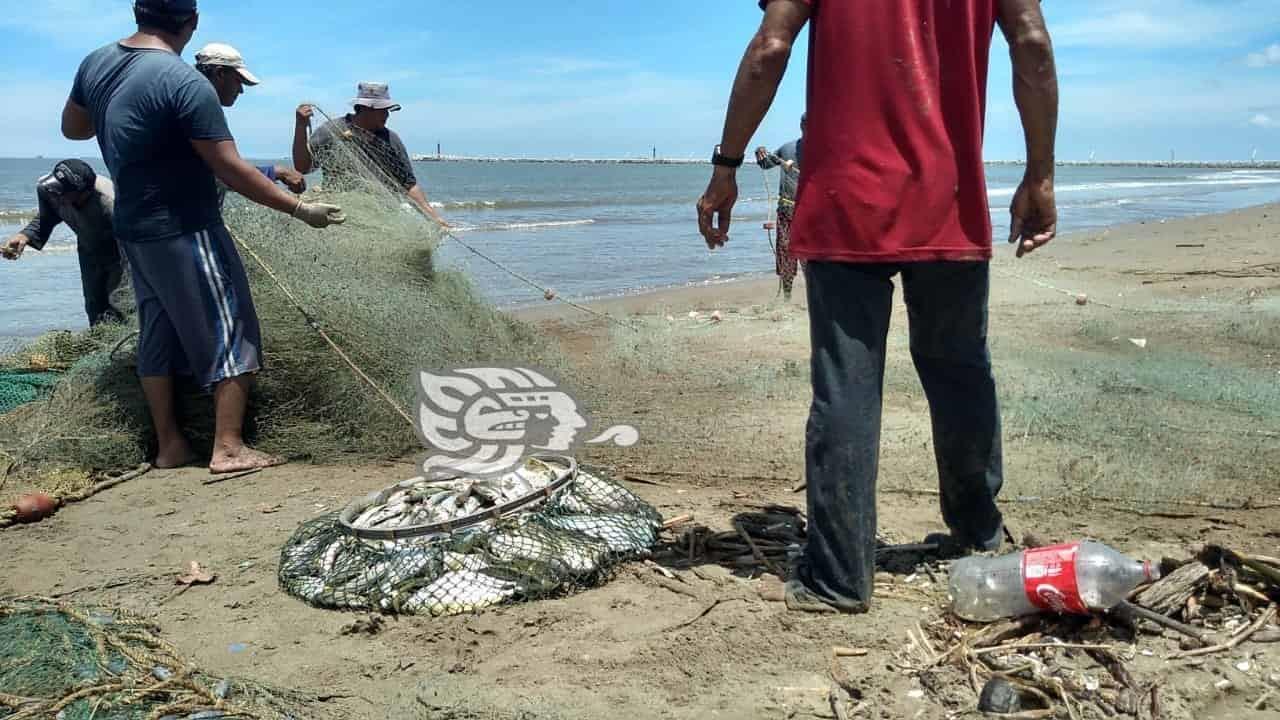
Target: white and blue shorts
x=194, y=308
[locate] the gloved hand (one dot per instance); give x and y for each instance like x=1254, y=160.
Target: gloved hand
x=319, y=215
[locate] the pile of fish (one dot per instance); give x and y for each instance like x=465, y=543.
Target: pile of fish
x=421, y=502
x=544, y=550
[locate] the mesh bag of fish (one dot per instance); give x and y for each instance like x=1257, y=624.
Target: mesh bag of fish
x=453, y=546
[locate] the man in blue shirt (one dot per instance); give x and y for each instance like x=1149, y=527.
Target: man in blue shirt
x=788, y=158
x=163, y=136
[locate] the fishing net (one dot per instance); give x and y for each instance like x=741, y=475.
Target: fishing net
x=368, y=287
x=571, y=540
x=77, y=663
x=19, y=387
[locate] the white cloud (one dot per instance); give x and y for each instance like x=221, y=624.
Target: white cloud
x=1263, y=120
x=1269, y=56
x=1161, y=23
x=71, y=23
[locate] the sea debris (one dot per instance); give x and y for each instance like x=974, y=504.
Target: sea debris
x=1083, y=667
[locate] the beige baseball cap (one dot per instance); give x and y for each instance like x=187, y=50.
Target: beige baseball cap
x=227, y=56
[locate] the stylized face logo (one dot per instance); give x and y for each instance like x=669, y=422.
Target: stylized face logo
x=485, y=421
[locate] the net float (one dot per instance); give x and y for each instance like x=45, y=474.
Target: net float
x=34, y=507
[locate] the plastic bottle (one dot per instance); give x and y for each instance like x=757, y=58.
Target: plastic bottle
x=1073, y=579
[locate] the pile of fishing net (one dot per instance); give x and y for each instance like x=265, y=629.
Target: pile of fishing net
x=77, y=663
x=457, y=546
x=370, y=285
x=19, y=387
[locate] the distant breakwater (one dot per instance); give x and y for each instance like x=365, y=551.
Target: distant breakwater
x=1189, y=164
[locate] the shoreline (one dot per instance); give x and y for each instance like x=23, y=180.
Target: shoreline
x=1085, y=247
x=1175, y=164
x=760, y=288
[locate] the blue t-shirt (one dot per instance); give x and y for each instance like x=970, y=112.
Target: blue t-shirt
x=147, y=107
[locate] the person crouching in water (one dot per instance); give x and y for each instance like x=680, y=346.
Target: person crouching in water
x=76, y=195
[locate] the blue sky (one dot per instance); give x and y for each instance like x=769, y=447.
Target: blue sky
x=610, y=79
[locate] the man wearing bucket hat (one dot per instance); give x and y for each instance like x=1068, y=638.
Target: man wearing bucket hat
x=226, y=70
x=74, y=194
x=163, y=136
x=365, y=131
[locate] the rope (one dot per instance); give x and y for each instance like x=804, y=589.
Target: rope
x=547, y=292
x=311, y=321
x=1042, y=284
x=768, y=193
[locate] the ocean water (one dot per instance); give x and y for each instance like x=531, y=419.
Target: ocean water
x=597, y=230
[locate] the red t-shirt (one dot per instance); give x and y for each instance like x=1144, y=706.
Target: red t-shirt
x=892, y=168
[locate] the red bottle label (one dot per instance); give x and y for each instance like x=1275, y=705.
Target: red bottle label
x=1049, y=578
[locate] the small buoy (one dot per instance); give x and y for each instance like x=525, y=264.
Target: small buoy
x=716, y=316
x=549, y=295
x=34, y=507
x=1082, y=299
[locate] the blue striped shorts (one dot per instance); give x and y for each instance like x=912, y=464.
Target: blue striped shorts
x=194, y=308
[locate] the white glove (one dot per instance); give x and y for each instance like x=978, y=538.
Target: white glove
x=319, y=215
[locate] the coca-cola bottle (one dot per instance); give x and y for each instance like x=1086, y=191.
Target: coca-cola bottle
x=1074, y=579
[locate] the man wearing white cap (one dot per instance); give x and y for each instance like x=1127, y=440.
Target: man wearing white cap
x=226, y=70
x=367, y=133
x=164, y=138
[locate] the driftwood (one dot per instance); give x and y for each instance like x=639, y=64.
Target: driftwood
x=1169, y=594
x=1240, y=637
x=1131, y=614
x=999, y=632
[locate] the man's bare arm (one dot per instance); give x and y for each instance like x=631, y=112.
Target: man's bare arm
x=760, y=73
x=302, y=157
x=419, y=198
x=223, y=158
x=77, y=123
x=1035, y=80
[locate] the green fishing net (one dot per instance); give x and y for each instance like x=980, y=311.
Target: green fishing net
x=370, y=285
x=18, y=387
x=76, y=663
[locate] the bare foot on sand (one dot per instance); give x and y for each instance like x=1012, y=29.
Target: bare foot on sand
x=244, y=458
x=174, y=455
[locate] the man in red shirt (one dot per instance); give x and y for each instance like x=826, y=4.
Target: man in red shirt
x=893, y=184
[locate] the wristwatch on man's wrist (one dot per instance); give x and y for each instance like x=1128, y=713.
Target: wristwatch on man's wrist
x=724, y=161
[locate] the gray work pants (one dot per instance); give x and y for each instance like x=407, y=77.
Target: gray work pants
x=849, y=309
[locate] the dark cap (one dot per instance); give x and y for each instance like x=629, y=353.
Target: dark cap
x=166, y=7
x=74, y=176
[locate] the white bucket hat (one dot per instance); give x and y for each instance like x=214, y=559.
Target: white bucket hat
x=375, y=95
x=226, y=56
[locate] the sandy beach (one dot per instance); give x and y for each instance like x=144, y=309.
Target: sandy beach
x=1139, y=369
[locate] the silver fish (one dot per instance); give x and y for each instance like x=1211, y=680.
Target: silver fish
x=465, y=588
x=578, y=558
x=601, y=495
x=621, y=533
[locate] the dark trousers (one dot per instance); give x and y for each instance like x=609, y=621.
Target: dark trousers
x=104, y=278
x=849, y=310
